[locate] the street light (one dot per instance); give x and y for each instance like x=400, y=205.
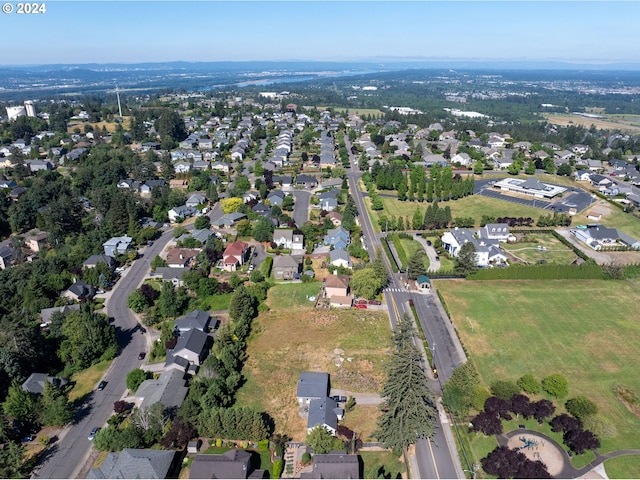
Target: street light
x=474, y=472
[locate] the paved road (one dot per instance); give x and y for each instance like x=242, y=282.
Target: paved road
x=301, y=207
x=434, y=258
x=70, y=453
x=436, y=457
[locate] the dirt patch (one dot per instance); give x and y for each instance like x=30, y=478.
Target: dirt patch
x=629, y=399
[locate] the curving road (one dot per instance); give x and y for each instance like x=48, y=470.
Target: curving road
x=68, y=456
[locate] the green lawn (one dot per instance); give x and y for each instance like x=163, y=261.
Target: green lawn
x=291, y=295
x=586, y=330
x=215, y=302
x=473, y=206
x=86, y=380
x=626, y=466
x=381, y=465
x=527, y=249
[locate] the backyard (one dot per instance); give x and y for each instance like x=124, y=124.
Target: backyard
x=293, y=336
x=540, y=248
x=585, y=330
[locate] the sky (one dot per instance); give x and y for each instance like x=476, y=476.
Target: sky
x=157, y=31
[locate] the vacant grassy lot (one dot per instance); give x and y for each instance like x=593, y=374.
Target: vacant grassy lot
x=614, y=122
x=585, y=330
x=527, y=249
x=293, y=336
x=87, y=380
x=473, y=206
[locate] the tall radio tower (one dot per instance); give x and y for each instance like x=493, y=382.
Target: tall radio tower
x=119, y=106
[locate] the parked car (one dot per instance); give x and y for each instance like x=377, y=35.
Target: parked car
x=28, y=438
x=360, y=305
x=429, y=242
x=101, y=385
x=141, y=355
x=149, y=244
x=92, y=435
x=360, y=301
x=375, y=302
x=339, y=399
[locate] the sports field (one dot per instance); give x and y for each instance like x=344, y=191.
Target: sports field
x=586, y=330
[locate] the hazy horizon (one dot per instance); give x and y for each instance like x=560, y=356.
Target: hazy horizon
x=574, y=32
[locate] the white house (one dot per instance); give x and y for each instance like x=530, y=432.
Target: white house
x=487, y=251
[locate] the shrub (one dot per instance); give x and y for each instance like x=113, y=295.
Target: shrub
x=351, y=402
x=278, y=466
x=504, y=389
x=529, y=384
x=581, y=407
x=556, y=385
x=306, y=458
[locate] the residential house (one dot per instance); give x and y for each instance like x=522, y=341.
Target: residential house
x=46, y=314
x=39, y=165
x=79, y=291
x=94, y=260
x=306, y=181
x=583, y=175
x=324, y=413
x=221, y=167
x=340, y=258
x=285, y=267
x=197, y=319
x=202, y=235
x=487, y=251
x=496, y=231
x=328, y=204
x=195, y=200
x=229, y=220
x=136, y=463
x=287, y=238
x=598, y=236
x=182, y=257
x=334, y=465
x=182, y=211
x=147, y=187
x=335, y=217
x=336, y=285
x=117, y=245
x=235, y=255
x=173, y=275
x=182, y=167
x=275, y=197
x=36, y=382
x=600, y=181
x=190, y=351
x=462, y=158
x=312, y=386
x=169, y=389
x=337, y=238
x=35, y=240
x=261, y=209
x=233, y=464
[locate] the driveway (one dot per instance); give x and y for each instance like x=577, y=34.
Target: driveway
x=434, y=261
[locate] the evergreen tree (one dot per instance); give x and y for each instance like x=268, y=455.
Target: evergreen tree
x=466, y=261
x=416, y=265
x=409, y=411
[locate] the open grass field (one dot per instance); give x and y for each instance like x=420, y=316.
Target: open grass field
x=293, y=336
x=526, y=249
x=585, y=330
x=626, y=123
x=473, y=206
x=358, y=111
x=87, y=380
x=97, y=126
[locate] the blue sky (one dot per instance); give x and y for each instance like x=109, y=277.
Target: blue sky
x=129, y=31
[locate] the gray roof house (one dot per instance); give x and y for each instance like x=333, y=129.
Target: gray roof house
x=94, y=260
x=340, y=257
x=47, y=313
x=324, y=412
x=79, y=291
x=232, y=464
x=196, y=319
x=117, y=245
x=285, y=267
x=36, y=381
x=169, y=389
x=334, y=465
x=136, y=463
x=312, y=385
x=189, y=352
x=195, y=200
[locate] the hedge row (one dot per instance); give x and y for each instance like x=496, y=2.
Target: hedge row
x=541, y=272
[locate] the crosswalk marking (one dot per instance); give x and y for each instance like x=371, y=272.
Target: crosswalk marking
x=393, y=290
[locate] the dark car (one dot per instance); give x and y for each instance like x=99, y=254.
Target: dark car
x=28, y=438
x=429, y=242
x=101, y=385
x=141, y=356
x=375, y=302
x=339, y=399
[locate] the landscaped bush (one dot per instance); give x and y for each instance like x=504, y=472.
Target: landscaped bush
x=278, y=466
x=556, y=385
x=504, y=389
x=529, y=384
x=549, y=271
x=581, y=407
